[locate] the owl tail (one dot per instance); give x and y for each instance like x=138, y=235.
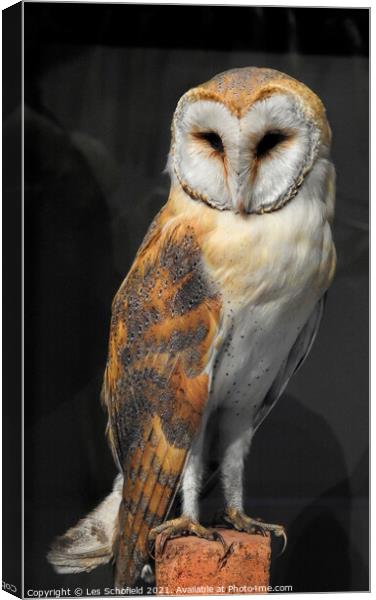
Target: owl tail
x=89, y=544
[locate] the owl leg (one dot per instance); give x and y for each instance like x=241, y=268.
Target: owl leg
x=188, y=522
x=237, y=444
x=192, y=478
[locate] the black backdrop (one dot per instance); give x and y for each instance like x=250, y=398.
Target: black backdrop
x=101, y=84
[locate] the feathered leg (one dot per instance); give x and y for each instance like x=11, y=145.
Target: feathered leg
x=236, y=443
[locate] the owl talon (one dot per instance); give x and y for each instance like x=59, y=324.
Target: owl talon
x=150, y=549
x=218, y=538
x=162, y=543
x=284, y=536
x=242, y=522
x=180, y=527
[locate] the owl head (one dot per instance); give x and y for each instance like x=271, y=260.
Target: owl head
x=245, y=140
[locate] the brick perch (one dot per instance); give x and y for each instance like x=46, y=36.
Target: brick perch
x=190, y=565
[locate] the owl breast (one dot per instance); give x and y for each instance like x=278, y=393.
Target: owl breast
x=271, y=270
x=259, y=339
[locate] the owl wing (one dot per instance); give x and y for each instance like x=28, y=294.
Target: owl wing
x=293, y=361
x=165, y=320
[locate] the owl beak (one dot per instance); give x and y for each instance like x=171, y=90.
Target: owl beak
x=241, y=207
x=243, y=194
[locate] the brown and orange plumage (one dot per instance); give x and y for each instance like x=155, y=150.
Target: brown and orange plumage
x=164, y=321
x=218, y=311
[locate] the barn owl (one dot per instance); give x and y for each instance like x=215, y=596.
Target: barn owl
x=218, y=311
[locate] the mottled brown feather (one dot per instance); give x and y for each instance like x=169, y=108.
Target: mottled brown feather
x=165, y=319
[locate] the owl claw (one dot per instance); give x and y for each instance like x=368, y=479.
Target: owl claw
x=180, y=527
x=162, y=543
x=218, y=538
x=242, y=522
x=284, y=536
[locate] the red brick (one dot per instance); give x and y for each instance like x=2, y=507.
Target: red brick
x=190, y=565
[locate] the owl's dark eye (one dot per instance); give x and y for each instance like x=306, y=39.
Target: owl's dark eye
x=268, y=142
x=213, y=139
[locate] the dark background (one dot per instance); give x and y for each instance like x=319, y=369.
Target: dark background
x=11, y=300
x=101, y=84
